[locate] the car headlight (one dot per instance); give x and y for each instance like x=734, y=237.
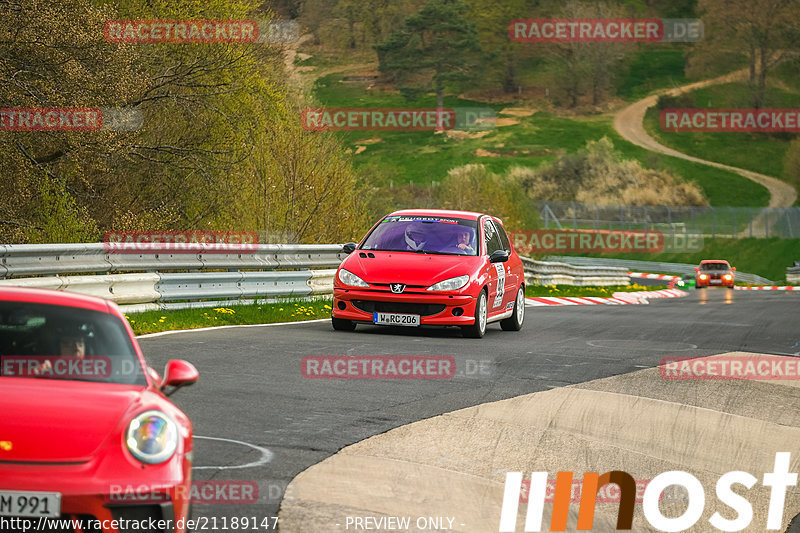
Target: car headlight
x=348, y=278
x=452, y=284
x=152, y=437
x=703, y=276
x=728, y=276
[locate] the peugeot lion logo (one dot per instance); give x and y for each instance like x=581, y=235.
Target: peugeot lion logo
x=397, y=288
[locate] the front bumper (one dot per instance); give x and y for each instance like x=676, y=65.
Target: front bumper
x=435, y=309
x=101, y=504
x=714, y=282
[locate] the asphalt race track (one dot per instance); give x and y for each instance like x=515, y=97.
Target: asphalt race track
x=275, y=423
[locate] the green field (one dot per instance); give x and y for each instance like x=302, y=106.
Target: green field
x=423, y=158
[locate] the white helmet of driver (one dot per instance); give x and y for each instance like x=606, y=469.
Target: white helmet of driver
x=416, y=235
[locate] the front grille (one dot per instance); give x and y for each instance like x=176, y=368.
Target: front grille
x=410, y=308
x=136, y=514
x=63, y=524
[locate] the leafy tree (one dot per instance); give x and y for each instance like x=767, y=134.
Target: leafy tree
x=435, y=47
x=764, y=31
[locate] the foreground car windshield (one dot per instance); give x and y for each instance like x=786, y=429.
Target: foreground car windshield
x=436, y=235
x=714, y=267
x=67, y=343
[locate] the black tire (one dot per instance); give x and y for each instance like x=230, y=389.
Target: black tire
x=514, y=322
x=477, y=330
x=341, y=324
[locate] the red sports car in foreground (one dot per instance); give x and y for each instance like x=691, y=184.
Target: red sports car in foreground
x=714, y=272
x=426, y=267
x=88, y=440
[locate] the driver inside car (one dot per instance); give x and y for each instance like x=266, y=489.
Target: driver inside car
x=415, y=236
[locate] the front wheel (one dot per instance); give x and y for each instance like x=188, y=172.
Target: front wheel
x=477, y=330
x=341, y=324
x=514, y=322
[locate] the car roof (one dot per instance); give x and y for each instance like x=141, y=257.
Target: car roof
x=468, y=215
x=713, y=261
x=52, y=297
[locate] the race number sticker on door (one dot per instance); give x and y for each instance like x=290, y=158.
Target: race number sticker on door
x=501, y=284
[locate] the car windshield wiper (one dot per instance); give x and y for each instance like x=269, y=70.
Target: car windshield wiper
x=432, y=252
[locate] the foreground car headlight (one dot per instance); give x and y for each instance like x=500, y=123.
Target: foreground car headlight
x=727, y=277
x=348, y=278
x=703, y=276
x=452, y=284
x=152, y=437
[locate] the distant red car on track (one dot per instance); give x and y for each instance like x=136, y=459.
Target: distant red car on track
x=426, y=267
x=84, y=419
x=715, y=272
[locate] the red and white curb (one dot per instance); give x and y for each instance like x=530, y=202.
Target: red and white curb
x=766, y=288
x=619, y=298
x=644, y=275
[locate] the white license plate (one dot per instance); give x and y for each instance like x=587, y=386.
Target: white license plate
x=716, y=281
x=30, y=504
x=395, y=319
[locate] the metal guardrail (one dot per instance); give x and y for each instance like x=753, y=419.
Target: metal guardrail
x=307, y=270
x=21, y=260
x=655, y=266
x=559, y=273
x=793, y=274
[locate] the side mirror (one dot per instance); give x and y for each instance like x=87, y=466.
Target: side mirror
x=733, y=269
x=350, y=247
x=179, y=373
x=697, y=269
x=498, y=256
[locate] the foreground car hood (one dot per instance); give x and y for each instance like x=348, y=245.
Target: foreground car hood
x=45, y=420
x=410, y=268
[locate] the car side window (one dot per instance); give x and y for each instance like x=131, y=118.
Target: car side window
x=490, y=237
x=503, y=237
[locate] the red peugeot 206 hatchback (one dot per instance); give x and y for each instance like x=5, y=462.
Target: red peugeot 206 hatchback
x=89, y=441
x=426, y=267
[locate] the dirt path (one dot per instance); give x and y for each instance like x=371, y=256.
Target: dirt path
x=630, y=124
x=303, y=78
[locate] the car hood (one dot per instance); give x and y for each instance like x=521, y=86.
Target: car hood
x=45, y=420
x=410, y=268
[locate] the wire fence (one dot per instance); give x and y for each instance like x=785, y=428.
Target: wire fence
x=731, y=222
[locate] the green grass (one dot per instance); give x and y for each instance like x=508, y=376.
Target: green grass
x=765, y=257
x=652, y=69
x=569, y=290
x=400, y=158
x=759, y=152
x=292, y=310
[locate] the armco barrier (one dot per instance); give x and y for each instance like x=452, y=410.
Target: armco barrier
x=557, y=273
x=159, y=283
x=22, y=260
x=793, y=274
x=654, y=266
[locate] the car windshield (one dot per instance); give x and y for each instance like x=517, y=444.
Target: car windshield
x=421, y=234
x=714, y=267
x=68, y=343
